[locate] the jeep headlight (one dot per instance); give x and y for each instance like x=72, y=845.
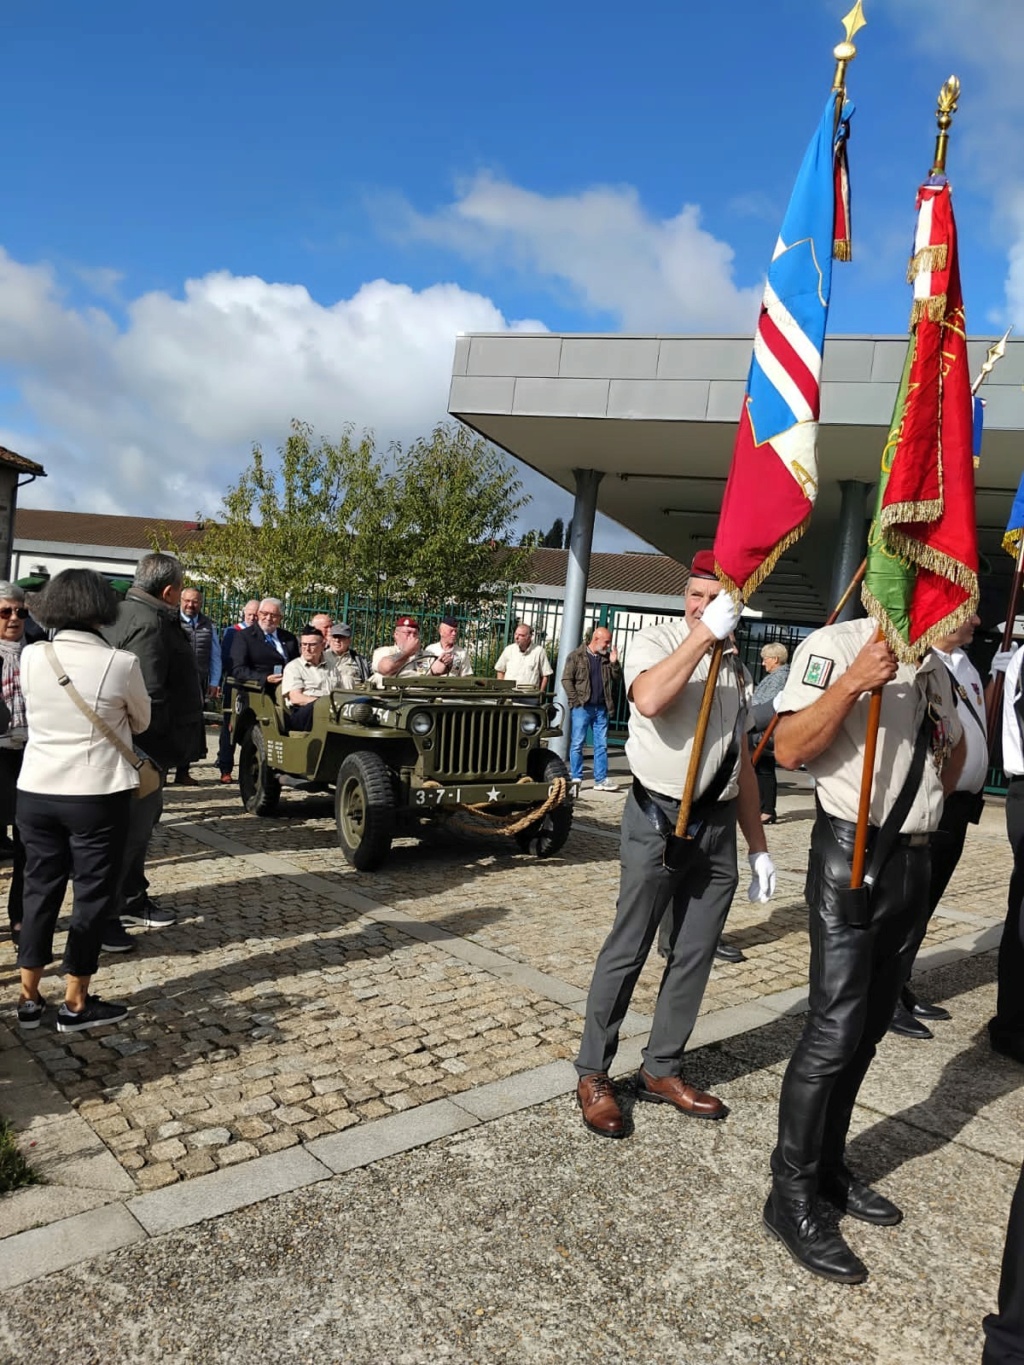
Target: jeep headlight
x=530, y=723
x=421, y=722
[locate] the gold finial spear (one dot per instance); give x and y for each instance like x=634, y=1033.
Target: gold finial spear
x=845, y=52
x=948, y=98
x=994, y=354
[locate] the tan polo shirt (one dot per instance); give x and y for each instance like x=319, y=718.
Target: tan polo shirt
x=316, y=680
x=461, y=667
x=818, y=662
x=527, y=669
x=658, y=748
x=419, y=663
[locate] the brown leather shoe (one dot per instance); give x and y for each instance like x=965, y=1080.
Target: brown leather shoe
x=694, y=1103
x=595, y=1095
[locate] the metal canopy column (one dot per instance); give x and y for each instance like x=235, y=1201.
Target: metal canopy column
x=851, y=544
x=577, y=571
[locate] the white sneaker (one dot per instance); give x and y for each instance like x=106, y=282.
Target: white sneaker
x=606, y=786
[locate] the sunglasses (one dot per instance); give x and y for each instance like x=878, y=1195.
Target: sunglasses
x=7, y=612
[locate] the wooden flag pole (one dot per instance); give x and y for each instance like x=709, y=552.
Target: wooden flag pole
x=770, y=728
x=699, y=735
x=995, y=701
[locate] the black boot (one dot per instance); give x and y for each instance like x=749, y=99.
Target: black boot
x=810, y=1242
x=846, y=1193
x=919, y=1009
x=904, y=1023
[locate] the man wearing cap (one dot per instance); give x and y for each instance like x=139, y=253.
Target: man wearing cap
x=405, y=657
x=856, y=935
x=305, y=680
x=665, y=673
x=353, y=669
x=523, y=662
x=449, y=658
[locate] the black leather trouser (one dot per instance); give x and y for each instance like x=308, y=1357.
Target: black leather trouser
x=854, y=981
x=1009, y=1017
x=947, y=847
x=1004, y=1331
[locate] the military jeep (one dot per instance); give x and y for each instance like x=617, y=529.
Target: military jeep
x=415, y=754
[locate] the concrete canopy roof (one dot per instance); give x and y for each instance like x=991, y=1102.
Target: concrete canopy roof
x=657, y=415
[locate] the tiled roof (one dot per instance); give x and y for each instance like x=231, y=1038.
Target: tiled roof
x=14, y=461
x=88, y=528
x=640, y=573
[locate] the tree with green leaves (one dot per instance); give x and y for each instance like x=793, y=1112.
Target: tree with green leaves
x=428, y=524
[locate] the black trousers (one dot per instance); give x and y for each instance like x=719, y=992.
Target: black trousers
x=300, y=718
x=17, y=889
x=854, y=982
x=767, y=783
x=1004, y=1331
x=947, y=848
x=80, y=838
x=1009, y=1017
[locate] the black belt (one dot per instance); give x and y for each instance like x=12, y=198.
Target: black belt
x=849, y=828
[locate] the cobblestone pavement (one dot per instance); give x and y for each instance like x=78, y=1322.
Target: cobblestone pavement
x=284, y=1007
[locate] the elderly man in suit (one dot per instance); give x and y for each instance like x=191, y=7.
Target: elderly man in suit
x=260, y=652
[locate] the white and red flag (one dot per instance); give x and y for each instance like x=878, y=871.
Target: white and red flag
x=773, y=479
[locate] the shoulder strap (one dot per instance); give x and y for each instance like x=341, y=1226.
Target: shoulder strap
x=129, y=755
x=960, y=693
x=901, y=806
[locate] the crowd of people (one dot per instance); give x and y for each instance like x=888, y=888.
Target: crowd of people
x=108, y=685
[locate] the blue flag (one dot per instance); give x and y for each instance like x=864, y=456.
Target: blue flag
x=1015, y=526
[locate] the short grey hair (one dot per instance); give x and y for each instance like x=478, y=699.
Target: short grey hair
x=155, y=572
x=11, y=592
x=775, y=651
x=274, y=602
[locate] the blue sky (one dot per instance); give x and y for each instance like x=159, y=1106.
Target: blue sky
x=219, y=217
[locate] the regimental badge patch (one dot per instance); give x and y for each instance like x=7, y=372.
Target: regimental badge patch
x=818, y=671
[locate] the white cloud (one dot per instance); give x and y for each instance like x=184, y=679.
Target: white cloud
x=156, y=415
x=602, y=246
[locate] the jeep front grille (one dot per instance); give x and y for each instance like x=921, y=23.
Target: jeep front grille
x=477, y=742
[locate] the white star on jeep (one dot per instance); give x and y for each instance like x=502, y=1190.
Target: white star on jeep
x=493, y=794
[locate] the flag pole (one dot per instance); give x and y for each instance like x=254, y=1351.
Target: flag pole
x=833, y=617
x=947, y=103
x=839, y=247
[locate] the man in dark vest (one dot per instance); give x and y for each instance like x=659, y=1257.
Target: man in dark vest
x=203, y=636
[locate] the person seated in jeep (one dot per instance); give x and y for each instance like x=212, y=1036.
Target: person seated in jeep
x=405, y=657
x=306, y=679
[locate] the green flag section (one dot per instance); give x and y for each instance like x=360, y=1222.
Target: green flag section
x=921, y=581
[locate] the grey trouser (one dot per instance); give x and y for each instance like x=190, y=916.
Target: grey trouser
x=695, y=903
x=141, y=823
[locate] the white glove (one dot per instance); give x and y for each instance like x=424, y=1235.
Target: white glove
x=1001, y=659
x=762, y=888
x=721, y=615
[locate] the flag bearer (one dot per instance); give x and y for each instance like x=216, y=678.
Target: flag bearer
x=855, y=969
x=665, y=671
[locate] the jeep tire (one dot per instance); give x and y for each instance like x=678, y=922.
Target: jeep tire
x=258, y=784
x=546, y=836
x=365, y=809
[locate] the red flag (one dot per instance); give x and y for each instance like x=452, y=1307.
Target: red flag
x=922, y=577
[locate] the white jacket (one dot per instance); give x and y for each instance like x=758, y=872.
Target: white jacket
x=66, y=755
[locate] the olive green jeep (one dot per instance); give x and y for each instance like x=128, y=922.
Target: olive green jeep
x=415, y=754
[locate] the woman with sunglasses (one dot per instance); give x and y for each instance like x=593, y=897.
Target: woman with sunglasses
x=13, y=615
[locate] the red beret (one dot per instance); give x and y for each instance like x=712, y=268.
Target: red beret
x=703, y=565
x=409, y=621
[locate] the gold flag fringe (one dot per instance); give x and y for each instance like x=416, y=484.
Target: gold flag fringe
x=928, y=258
x=914, y=653
x=934, y=309
x=842, y=250
x=765, y=567
x=1012, y=540
x=900, y=512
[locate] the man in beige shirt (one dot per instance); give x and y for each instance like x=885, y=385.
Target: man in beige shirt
x=404, y=658
x=305, y=680
x=855, y=935
x=523, y=662
x=665, y=673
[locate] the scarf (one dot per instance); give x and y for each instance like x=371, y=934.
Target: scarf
x=10, y=681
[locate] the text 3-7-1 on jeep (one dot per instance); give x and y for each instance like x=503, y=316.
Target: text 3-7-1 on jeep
x=418, y=752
